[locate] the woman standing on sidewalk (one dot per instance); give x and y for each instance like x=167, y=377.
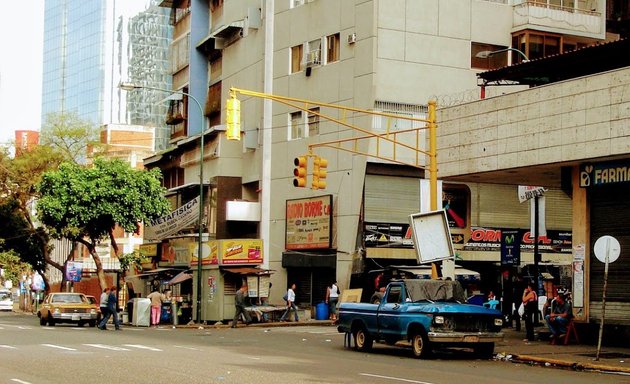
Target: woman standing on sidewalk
x=530, y=303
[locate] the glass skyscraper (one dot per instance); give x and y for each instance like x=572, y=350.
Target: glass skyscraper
x=91, y=46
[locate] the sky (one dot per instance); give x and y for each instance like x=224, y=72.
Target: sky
x=21, y=47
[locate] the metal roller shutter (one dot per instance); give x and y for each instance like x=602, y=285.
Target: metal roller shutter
x=610, y=215
x=391, y=199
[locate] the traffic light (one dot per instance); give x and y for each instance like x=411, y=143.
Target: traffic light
x=233, y=119
x=319, y=173
x=300, y=171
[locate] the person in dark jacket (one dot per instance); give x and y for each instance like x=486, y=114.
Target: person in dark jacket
x=112, y=310
x=239, y=303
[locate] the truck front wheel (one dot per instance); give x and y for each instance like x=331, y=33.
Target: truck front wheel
x=420, y=346
x=362, y=340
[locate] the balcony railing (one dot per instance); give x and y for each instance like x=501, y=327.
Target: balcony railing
x=560, y=17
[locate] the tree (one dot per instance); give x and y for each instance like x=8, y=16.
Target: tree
x=74, y=138
x=85, y=204
x=13, y=267
x=18, y=179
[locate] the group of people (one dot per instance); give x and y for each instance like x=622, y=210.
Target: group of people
x=109, y=308
x=332, y=297
x=557, y=313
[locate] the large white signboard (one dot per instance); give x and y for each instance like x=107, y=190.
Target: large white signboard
x=431, y=236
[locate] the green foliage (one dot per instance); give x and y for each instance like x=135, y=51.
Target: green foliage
x=13, y=267
x=18, y=236
x=70, y=136
x=78, y=202
x=131, y=260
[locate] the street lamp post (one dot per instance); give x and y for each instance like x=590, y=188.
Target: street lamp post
x=132, y=86
x=486, y=54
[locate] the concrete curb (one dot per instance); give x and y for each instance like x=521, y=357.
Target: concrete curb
x=569, y=364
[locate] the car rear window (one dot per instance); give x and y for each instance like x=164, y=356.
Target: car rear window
x=67, y=299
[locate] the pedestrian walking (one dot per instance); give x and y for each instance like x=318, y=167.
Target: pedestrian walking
x=103, y=303
x=112, y=311
x=239, y=304
x=530, y=302
x=290, y=298
x=332, y=297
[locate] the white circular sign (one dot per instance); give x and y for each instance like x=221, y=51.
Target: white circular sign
x=607, y=244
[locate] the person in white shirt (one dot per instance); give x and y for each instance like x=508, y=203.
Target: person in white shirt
x=332, y=296
x=290, y=304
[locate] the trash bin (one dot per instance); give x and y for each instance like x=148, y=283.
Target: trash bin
x=321, y=311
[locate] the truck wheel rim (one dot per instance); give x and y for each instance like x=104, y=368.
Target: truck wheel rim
x=417, y=344
x=360, y=338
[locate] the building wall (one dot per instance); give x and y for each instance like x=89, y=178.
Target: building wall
x=574, y=120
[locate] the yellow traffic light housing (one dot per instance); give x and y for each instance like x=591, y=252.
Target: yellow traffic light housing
x=320, y=172
x=233, y=119
x=300, y=172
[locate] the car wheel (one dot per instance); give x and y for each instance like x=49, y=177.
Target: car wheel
x=42, y=320
x=51, y=321
x=484, y=350
x=92, y=323
x=420, y=346
x=362, y=340
x=81, y=323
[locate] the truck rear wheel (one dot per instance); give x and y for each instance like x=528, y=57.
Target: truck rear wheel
x=420, y=346
x=362, y=340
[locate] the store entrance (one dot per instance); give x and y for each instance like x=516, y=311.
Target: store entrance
x=311, y=284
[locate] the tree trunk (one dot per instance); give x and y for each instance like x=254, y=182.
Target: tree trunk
x=91, y=246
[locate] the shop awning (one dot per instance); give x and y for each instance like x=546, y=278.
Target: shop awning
x=149, y=273
x=248, y=271
x=180, y=278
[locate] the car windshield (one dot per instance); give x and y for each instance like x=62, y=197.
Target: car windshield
x=5, y=296
x=435, y=290
x=68, y=299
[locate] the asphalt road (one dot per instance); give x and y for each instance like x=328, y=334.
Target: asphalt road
x=65, y=353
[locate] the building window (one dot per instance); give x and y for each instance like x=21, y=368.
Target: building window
x=297, y=3
x=313, y=122
x=297, y=53
x=535, y=45
x=314, y=52
x=332, y=48
x=303, y=124
x=296, y=125
x=481, y=59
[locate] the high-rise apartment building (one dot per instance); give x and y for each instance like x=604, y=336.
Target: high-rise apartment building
x=386, y=56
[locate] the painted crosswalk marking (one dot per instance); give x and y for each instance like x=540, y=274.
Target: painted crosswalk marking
x=142, y=347
x=7, y=346
x=109, y=347
x=58, y=347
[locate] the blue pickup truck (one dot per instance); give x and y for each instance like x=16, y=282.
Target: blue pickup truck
x=428, y=313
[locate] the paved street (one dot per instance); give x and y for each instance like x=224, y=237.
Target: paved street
x=307, y=354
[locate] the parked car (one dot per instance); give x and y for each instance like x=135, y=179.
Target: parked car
x=427, y=313
x=92, y=300
x=6, y=300
x=67, y=307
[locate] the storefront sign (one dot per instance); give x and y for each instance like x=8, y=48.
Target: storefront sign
x=489, y=239
x=510, y=247
x=241, y=251
x=387, y=235
x=528, y=192
x=209, y=252
x=604, y=173
x=172, y=223
x=309, y=223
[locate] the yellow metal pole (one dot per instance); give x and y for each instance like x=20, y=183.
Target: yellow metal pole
x=432, y=155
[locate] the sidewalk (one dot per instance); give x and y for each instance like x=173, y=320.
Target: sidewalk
x=573, y=356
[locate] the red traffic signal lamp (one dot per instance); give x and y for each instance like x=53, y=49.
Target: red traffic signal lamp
x=320, y=172
x=300, y=171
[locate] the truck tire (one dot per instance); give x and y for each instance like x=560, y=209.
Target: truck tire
x=362, y=340
x=484, y=350
x=420, y=346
